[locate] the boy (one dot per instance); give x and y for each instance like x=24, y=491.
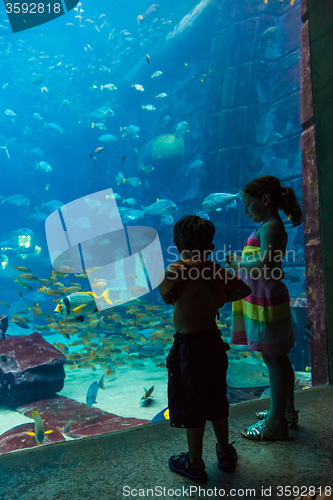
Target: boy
x=197, y=362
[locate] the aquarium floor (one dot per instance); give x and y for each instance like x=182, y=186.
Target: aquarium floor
x=100, y=467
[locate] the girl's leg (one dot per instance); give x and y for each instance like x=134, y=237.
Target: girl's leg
x=221, y=431
x=290, y=386
x=194, y=441
x=278, y=378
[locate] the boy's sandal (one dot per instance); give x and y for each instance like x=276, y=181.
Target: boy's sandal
x=261, y=432
x=181, y=464
x=292, y=418
x=227, y=461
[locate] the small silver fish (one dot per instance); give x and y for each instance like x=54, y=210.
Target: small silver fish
x=96, y=151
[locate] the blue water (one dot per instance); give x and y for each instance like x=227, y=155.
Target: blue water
x=56, y=71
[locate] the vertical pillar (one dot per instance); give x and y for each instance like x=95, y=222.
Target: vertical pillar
x=317, y=158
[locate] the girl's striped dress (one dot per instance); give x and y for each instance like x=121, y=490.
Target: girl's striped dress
x=263, y=319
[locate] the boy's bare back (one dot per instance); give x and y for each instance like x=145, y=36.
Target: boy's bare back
x=196, y=296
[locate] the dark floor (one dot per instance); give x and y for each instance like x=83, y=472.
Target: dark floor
x=133, y=463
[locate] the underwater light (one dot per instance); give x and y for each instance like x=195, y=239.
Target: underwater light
x=4, y=262
x=24, y=240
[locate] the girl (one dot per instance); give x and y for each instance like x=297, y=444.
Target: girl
x=263, y=319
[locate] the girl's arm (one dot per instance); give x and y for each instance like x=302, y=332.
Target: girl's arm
x=240, y=293
x=270, y=255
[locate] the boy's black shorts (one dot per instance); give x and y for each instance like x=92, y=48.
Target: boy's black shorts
x=197, y=388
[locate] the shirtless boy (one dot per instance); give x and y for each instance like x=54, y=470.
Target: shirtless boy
x=197, y=362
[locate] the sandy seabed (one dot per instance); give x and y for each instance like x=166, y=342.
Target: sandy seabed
x=122, y=394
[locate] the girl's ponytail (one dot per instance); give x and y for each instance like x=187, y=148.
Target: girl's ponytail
x=290, y=206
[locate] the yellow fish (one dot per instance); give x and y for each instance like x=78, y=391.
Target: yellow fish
x=39, y=428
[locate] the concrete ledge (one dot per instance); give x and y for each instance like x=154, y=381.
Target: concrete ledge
x=100, y=467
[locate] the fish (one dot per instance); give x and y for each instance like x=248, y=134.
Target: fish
x=37, y=152
x=292, y=276
x=130, y=201
x=149, y=350
x=110, y=369
x=66, y=428
x=130, y=215
x=131, y=131
x=196, y=164
x=138, y=87
x=203, y=215
x=147, y=58
x=216, y=201
x=56, y=127
x=103, y=112
x=247, y=372
x=148, y=107
x=9, y=112
x=100, y=126
x=162, y=415
x=271, y=31
x=161, y=207
x=37, y=79
x=63, y=348
x=133, y=181
x=43, y=165
x=146, y=168
x=20, y=318
x=165, y=120
x=93, y=390
x=23, y=269
x=22, y=325
x=156, y=74
x=42, y=328
x=77, y=304
x=96, y=151
x=39, y=216
x=148, y=393
x=39, y=428
x=109, y=86
x=108, y=138
x=120, y=178
x=17, y=199
x=162, y=94
x=22, y=284
x=181, y=129
x=167, y=220
x=53, y=205
x=148, y=14
x=91, y=203
x=28, y=276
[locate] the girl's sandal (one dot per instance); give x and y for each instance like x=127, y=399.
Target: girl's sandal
x=292, y=418
x=261, y=432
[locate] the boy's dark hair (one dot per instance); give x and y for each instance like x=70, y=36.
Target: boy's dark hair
x=192, y=232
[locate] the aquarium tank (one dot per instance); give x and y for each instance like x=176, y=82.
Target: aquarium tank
x=117, y=119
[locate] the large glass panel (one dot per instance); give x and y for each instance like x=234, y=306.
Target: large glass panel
x=118, y=118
